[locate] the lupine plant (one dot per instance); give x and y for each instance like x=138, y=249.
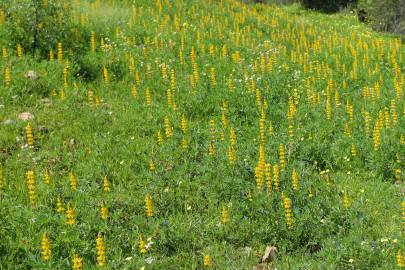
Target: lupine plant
x=179, y=134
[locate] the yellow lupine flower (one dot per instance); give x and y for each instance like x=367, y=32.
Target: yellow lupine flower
x=20, y=51
x=276, y=179
x=100, y=247
x=7, y=76
x=72, y=181
x=142, y=246
x=288, y=211
x=403, y=212
x=70, y=214
x=106, y=76
x=224, y=215
x=46, y=247
x=267, y=174
x=59, y=204
x=31, y=185
x=259, y=177
x=77, y=262
x=47, y=177
x=346, y=200
x=207, y=261
x=400, y=259
x=148, y=205
x=282, y=157
x=104, y=211
x=106, y=184
x=294, y=180
x=29, y=135
x=93, y=41
x=184, y=123
x=60, y=52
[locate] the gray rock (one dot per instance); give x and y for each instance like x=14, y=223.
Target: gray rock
x=31, y=75
x=9, y=122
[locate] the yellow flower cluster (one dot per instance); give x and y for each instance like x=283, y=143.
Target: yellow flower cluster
x=288, y=211
x=31, y=185
x=46, y=247
x=29, y=135
x=100, y=247
x=148, y=205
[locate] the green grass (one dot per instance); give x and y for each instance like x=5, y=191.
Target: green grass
x=118, y=138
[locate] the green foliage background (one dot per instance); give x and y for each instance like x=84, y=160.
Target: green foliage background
x=387, y=15
x=117, y=139
x=38, y=25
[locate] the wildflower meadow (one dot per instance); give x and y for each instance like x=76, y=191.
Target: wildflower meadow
x=181, y=134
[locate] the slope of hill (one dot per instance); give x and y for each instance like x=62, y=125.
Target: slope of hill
x=193, y=134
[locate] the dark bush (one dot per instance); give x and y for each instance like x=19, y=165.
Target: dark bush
x=328, y=6
x=387, y=15
x=276, y=2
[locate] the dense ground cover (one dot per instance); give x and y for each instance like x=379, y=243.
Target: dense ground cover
x=192, y=134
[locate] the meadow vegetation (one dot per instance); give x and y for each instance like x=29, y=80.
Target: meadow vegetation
x=180, y=134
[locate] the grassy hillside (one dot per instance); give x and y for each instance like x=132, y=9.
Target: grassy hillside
x=193, y=134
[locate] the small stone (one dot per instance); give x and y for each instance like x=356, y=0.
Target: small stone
x=9, y=122
x=25, y=116
x=47, y=102
x=31, y=75
x=270, y=254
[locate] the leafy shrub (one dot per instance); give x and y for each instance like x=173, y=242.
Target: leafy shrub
x=37, y=25
x=327, y=5
x=388, y=15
